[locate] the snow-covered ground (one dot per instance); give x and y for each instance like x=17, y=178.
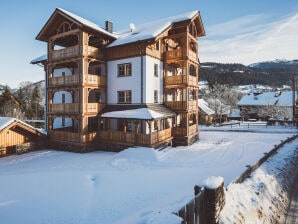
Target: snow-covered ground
x=128, y=187
x=263, y=198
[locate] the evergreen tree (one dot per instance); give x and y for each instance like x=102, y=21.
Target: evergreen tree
x=35, y=101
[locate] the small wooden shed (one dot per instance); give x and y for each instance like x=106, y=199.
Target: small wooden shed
x=17, y=135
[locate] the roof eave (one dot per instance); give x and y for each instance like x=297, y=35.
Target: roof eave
x=58, y=11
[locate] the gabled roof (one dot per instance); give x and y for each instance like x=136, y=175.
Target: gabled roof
x=137, y=112
x=81, y=22
x=154, y=29
x=7, y=121
x=203, y=105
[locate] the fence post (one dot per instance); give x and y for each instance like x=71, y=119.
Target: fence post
x=214, y=199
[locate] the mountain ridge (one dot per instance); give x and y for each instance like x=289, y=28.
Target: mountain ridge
x=274, y=73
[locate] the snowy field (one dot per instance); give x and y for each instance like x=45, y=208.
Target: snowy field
x=128, y=187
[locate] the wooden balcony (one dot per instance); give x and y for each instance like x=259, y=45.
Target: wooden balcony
x=64, y=80
x=91, y=80
x=175, y=80
x=180, y=54
x=182, y=131
x=67, y=136
x=178, y=80
x=95, y=80
x=67, y=108
x=174, y=54
x=75, y=51
x=128, y=138
x=193, y=56
x=182, y=105
x=95, y=107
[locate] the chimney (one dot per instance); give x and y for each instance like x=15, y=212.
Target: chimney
x=109, y=26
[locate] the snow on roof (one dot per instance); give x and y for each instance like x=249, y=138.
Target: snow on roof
x=142, y=114
x=6, y=121
x=39, y=59
x=87, y=23
x=203, y=105
x=268, y=98
x=149, y=30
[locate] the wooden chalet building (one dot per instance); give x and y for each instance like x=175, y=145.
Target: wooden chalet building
x=14, y=133
x=107, y=89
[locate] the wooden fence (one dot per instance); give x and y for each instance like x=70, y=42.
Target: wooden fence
x=205, y=207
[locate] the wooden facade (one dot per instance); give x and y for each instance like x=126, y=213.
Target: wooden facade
x=80, y=47
x=17, y=133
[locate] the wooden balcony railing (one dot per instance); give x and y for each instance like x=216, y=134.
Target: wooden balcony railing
x=95, y=107
x=64, y=80
x=64, y=136
x=129, y=138
x=95, y=80
x=180, y=53
x=69, y=108
x=182, y=105
x=180, y=80
x=174, y=54
x=65, y=53
x=193, y=80
x=192, y=129
x=193, y=55
x=175, y=80
x=182, y=131
x=75, y=51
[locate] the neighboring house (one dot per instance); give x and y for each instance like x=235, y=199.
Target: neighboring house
x=235, y=114
x=14, y=132
x=133, y=87
x=267, y=105
x=206, y=114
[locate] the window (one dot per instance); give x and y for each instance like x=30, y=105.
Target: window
x=124, y=96
x=155, y=96
x=156, y=70
x=125, y=125
x=124, y=70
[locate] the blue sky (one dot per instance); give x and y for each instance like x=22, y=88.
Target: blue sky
x=237, y=31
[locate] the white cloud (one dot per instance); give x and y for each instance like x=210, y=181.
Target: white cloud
x=247, y=40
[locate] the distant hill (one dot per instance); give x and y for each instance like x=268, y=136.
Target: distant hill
x=274, y=73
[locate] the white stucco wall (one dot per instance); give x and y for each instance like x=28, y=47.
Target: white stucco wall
x=132, y=82
x=152, y=82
